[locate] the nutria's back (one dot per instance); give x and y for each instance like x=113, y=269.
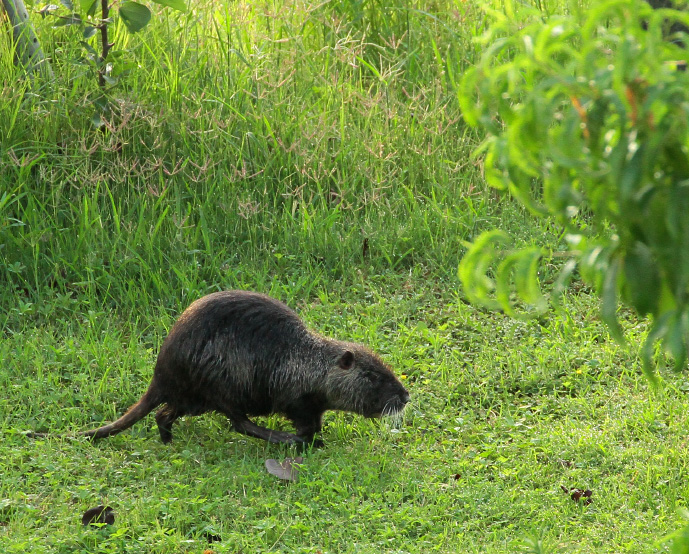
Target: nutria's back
x=233, y=347
x=241, y=353
x=251, y=331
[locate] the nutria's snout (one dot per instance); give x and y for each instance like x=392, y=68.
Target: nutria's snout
x=400, y=402
x=397, y=404
x=392, y=406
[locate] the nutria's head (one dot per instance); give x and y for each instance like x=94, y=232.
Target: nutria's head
x=359, y=381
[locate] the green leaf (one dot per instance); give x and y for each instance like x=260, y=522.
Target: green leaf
x=110, y=80
x=678, y=200
x=562, y=281
x=90, y=49
x=466, y=95
x=658, y=330
x=96, y=120
x=135, y=16
x=520, y=268
x=121, y=68
x=675, y=341
x=88, y=5
x=502, y=283
x=526, y=278
x=473, y=268
x=179, y=5
x=89, y=31
x=67, y=4
x=642, y=280
x=608, y=309
x=494, y=176
x=632, y=173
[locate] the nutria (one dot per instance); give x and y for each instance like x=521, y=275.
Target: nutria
x=245, y=354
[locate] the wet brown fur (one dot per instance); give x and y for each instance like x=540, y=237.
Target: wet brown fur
x=245, y=354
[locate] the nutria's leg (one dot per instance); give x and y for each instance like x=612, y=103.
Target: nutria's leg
x=165, y=417
x=247, y=427
x=307, y=415
x=308, y=428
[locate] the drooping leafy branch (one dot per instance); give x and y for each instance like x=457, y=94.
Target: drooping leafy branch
x=588, y=124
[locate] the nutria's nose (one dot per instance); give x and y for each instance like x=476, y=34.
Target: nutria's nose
x=404, y=397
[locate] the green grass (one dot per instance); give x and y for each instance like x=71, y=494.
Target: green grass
x=504, y=413
x=315, y=153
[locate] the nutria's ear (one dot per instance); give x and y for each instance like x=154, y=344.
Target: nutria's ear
x=346, y=361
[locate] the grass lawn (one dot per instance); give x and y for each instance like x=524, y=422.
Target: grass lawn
x=315, y=153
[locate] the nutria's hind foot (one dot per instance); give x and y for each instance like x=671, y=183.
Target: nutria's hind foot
x=165, y=417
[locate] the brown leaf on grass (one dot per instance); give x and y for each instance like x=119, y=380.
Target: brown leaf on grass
x=99, y=514
x=286, y=470
x=579, y=495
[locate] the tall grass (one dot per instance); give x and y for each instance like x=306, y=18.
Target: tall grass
x=251, y=134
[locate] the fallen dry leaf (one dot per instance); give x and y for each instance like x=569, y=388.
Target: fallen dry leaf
x=286, y=470
x=578, y=495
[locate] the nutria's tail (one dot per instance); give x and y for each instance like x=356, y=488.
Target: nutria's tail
x=146, y=404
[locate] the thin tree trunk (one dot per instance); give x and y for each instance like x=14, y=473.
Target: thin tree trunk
x=105, y=44
x=28, y=49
